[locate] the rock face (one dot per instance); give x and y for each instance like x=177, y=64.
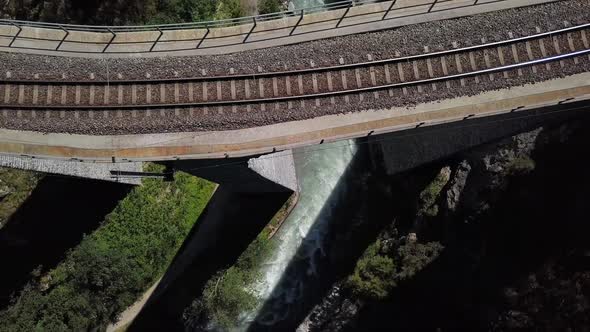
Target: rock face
x=335, y=313
x=519, y=146
x=457, y=184
x=479, y=177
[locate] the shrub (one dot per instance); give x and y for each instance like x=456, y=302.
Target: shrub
x=380, y=267
x=178, y=11
x=413, y=257
x=268, y=6
x=373, y=275
x=110, y=12
x=226, y=295
x=227, y=9
x=204, y=10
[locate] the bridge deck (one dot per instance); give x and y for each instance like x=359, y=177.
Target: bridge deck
x=281, y=136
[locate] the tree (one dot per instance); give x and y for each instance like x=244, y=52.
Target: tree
x=111, y=267
x=204, y=10
x=111, y=12
x=227, y=9
x=225, y=297
x=268, y=6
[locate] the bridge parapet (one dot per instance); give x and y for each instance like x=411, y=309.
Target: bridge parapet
x=224, y=36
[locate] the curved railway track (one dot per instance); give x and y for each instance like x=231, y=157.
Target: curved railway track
x=547, y=51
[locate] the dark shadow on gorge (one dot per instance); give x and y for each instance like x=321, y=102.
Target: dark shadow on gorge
x=235, y=215
x=522, y=263
x=54, y=218
x=358, y=214
x=447, y=275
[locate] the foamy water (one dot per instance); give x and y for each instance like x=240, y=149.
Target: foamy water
x=301, y=237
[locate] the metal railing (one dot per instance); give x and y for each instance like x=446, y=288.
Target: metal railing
x=18, y=40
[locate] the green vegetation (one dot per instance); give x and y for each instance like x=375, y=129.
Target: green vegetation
x=15, y=188
x=520, y=165
x=373, y=275
x=226, y=295
x=113, y=266
x=413, y=257
x=386, y=262
x=117, y=12
x=175, y=11
x=429, y=195
x=269, y=6
x=227, y=9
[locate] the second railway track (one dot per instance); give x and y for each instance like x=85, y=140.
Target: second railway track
x=548, y=51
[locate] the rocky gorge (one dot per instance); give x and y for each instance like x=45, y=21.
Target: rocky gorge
x=492, y=237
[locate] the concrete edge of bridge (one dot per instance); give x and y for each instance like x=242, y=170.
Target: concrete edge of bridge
x=73, y=168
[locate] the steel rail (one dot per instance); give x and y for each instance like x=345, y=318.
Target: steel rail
x=301, y=71
x=297, y=97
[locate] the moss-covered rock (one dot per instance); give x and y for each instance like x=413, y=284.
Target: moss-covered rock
x=430, y=194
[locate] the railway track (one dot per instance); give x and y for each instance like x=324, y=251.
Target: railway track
x=548, y=51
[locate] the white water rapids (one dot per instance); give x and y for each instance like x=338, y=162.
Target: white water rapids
x=301, y=236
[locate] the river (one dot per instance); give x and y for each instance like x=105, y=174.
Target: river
x=331, y=180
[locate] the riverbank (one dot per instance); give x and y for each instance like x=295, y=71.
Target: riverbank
x=226, y=295
x=277, y=221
